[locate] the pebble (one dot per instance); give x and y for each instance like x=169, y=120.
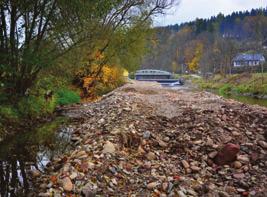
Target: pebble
x=195, y=168
x=243, y=158
x=73, y=176
x=67, y=184
x=263, y=144
x=162, y=144
x=223, y=194
x=237, y=164
x=185, y=164
x=109, y=148
x=146, y=134
x=165, y=186
x=181, y=194
x=151, y=156
x=166, y=139
x=239, y=175
x=44, y=195
x=35, y=173
x=213, y=154
x=152, y=185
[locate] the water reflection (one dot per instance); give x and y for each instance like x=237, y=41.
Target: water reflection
x=243, y=99
x=25, y=153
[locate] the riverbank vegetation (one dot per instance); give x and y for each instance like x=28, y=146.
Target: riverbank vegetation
x=55, y=52
x=250, y=84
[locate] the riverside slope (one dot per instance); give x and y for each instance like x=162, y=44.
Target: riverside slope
x=144, y=140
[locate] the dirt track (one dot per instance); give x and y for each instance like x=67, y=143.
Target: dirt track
x=145, y=140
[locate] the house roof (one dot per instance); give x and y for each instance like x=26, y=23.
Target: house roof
x=152, y=72
x=249, y=57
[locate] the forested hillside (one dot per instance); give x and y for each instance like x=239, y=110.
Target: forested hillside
x=208, y=45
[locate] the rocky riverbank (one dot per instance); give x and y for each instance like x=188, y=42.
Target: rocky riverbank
x=144, y=140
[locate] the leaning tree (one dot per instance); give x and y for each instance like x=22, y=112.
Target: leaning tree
x=33, y=34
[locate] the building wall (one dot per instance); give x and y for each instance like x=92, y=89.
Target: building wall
x=247, y=63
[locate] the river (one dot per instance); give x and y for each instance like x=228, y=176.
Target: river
x=243, y=99
x=24, y=156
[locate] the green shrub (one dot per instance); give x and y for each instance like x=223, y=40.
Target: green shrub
x=8, y=113
x=240, y=89
x=225, y=89
x=33, y=106
x=66, y=96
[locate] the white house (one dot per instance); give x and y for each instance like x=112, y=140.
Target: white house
x=248, y=60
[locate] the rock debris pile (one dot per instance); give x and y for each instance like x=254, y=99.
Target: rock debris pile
x=125, y=145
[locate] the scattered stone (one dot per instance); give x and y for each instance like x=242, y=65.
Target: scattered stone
x=263, y=144
x=243, y=158
x=109, y=148
x=227, y=154
x=166, y=142
x=67, y=184
x=165, y=186
x=146, y=135
x=213, y=154
x=73, y=176
x=151, y=156
x=239, y=176
x=35, y=173
x=152, y=185
x=162, y=144
x=44, y=195
x=88, y=192
x=237, y=164
x=195, y=168
x=166, y=139
x=185, y=164
x=181, y=194
x=223, y=194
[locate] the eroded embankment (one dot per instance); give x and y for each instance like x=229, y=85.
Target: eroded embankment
x=143, y=140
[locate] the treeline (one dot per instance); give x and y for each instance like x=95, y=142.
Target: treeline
x=50, y=48
x=229, y=26
x=208, y=45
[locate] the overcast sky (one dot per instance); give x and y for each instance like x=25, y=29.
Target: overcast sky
x=189, y=10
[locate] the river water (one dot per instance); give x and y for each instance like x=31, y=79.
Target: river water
x=243, y=99
x=25, y=155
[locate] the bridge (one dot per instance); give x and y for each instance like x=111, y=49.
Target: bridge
x=162, y=77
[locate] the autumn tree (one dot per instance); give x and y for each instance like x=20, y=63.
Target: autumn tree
x=35, y=34
x=194, y=63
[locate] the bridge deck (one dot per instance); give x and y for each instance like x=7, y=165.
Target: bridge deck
x=161, y=80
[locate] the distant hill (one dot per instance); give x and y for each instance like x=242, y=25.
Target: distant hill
x=219, y=38
x=226, y=25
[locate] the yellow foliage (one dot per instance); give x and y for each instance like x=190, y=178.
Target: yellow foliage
x=194, y=64
x=109, y=78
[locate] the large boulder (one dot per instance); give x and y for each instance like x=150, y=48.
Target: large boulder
x=227, y=154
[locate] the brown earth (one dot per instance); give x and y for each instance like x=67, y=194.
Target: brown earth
x=145, y=140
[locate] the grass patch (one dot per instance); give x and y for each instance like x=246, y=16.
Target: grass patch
x=66, y=97
x=225, y=89
x=246, y=83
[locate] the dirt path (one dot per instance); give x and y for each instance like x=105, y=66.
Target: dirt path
x=145, y=140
